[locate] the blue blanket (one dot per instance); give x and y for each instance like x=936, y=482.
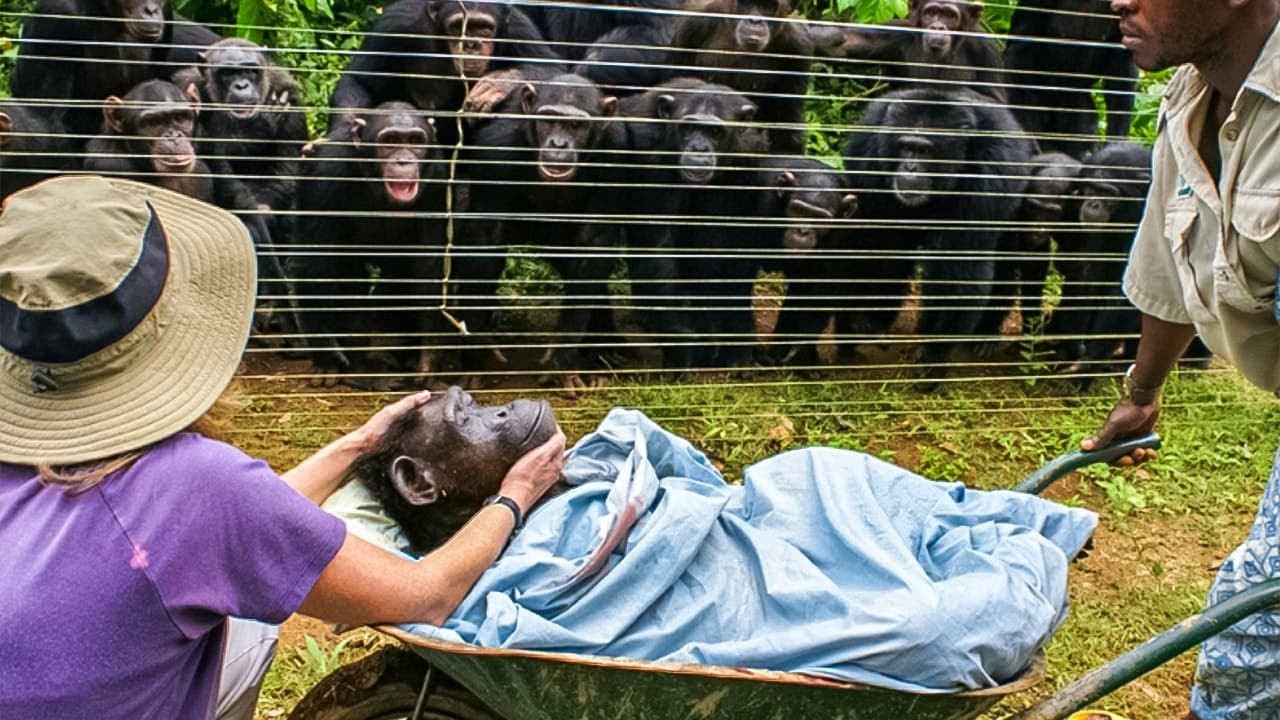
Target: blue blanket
x=823, y=561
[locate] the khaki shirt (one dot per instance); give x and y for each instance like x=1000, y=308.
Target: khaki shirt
x=1207, y=255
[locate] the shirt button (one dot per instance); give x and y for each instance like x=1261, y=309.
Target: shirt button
x=1232, y=132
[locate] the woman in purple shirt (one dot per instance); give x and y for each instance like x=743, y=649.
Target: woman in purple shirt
x=128, y=536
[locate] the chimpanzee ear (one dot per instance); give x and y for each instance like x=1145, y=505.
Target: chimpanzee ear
x=784, y=180
x=746, y=113
x=972, y=14
x=111, y=108
x=666, y=106
x=414, y=481
x=609, y=106
x=848, y=205
x=528, y=98
x=6, y=126
x=193, y=93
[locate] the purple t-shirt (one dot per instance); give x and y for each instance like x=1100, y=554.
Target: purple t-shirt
x=113, y=601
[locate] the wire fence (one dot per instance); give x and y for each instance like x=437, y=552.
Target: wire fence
x=552, y=196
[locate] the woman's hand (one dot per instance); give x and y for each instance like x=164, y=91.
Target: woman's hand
x=535, y=473
x=367, y=435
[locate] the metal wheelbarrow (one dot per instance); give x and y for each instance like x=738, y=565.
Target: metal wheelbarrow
x=430, y=679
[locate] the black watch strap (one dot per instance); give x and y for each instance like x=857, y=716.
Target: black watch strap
x=510, y=504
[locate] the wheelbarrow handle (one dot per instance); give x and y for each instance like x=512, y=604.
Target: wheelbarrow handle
x=1157, y=651
x=1037, y=481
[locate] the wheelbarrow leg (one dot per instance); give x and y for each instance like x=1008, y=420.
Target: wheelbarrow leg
x=1155, y=652
x=424, y=693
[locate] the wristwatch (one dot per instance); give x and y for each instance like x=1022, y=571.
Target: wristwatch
x=509, y=504
x=1139, y=394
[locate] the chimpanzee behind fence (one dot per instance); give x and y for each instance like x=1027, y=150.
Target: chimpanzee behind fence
x=32, y=147
x=694, y=249
x=942, y=171
x=366, y=255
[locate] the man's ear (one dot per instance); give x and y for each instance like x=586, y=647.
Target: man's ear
x=414, y=481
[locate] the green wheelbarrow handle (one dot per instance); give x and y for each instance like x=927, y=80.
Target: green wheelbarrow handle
x=1037, y=481
x=1148, y=656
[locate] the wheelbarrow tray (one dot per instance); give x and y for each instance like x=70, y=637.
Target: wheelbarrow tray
x=530, y=685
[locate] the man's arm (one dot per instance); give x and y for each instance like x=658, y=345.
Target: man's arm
x=364, y=584
x=1161, y=344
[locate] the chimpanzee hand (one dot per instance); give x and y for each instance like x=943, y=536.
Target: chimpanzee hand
x=1127, y=420
x=491, y=90
x=535, y=473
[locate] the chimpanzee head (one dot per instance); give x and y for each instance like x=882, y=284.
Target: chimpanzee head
x=939, y=19
x=703, y=122
x=928, y=142
x=158, y=121
x=471, y=28
x=437, y=463
x=143, y=19
x=814, y=198
x=400, y=137
x=235, y=75
x=752, y=31
x=569, y=114
x=1050, y=187
x=1113, y=182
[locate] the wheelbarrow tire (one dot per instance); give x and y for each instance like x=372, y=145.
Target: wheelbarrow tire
x=385, y=686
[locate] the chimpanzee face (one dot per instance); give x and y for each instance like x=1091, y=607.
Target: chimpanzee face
x=452, y=447
x=570, y=113
x=702, y=124
x=929, y=151
x=1099, y=202
x=752, y=33
x=160, y=121
x=235, y=75
x=401, y=137
x=471, y=30
x=1048, y=192
x=941, y=18
x=143, y=19
x=812, y=206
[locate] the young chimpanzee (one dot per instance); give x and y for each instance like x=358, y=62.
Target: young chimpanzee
x=694, y=256
x=748, y=46
x=32, y=148
x=941, y=171
x=74, y=53
x=932, y=47
x=1053, y=80
x=366, y=256
x=1094, y=321
x=812, y=201
x=433, y=468
x=544, y=155
x=425, y=51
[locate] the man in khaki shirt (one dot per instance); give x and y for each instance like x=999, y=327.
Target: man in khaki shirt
x=1205, y=262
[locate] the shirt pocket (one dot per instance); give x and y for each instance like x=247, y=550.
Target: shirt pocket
x=1179, y=227
x=1255, y=220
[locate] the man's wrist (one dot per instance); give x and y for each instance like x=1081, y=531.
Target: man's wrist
x=1139, y=391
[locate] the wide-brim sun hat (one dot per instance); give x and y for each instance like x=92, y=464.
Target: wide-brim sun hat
x=124, y=312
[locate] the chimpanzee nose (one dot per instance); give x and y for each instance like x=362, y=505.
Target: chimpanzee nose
x=558, y=143
x=152, y=10
x=241, y=85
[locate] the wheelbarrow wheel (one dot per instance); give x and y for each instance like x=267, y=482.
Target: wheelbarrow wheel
x=385, y=686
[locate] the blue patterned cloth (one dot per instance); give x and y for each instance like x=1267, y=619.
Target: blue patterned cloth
x=1238, y=676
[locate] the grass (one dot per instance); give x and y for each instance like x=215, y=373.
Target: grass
x=1164, y=526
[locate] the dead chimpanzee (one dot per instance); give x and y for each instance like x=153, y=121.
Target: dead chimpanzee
x=812, y=201
x=932, y=47
x=544, y=155
x=1094, y=314
x=748, y=46
x=368, y=244
x=435, y=466
x=940, y=171
x=420, y=52
x=32, y=148
x=695, y=254
x=86, y=50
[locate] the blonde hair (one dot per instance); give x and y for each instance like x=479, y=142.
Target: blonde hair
x=84, y=476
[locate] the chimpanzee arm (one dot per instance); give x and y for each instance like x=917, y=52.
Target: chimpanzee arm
x=636, y=53
x=187, y=40
x=371, y=77
x=522, y=41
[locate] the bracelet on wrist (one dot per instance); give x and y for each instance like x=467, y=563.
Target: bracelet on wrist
x=511, y=505
x=1139, y=394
